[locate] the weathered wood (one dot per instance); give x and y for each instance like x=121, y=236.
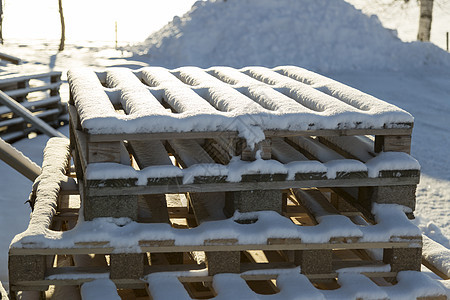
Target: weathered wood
x=161, y=247
x=174, y=186
x=233, y=134
x=10, y=58
x=397, y=143
x=18, y=161
x=263, y=148
x=103, y=152
x=19, y=120
x=17, y=78
x=33, y=104
x=27, y=90
x=27, y=115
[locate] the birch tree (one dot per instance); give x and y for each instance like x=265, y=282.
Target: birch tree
x=425, y=19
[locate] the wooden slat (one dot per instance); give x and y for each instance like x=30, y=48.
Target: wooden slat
x=26, y=91
x=27, y=115
x=40, y=115
x=149, y=153
x=18, y=161
x=26, y=77
x=10, y=58
x=174, y=186
x=35, y=250
x=190, y=152
x=233, y=134
x=284, y=152
x=33, y=104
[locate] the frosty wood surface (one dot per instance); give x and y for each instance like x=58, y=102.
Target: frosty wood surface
x=221, y=99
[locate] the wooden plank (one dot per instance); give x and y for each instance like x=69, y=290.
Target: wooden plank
x=189, y=152
x=18, y=161
x=285, y=153
x=233, y=134
x=12, y=59
x=28, y=90
x=352, y=147
x=158, y=248
x=20, y=77
x=27, y=115
x=397, y=143
x=40, y=115
x=33, y=104
x=174, y=187
x=103, y=152
x=149, y=153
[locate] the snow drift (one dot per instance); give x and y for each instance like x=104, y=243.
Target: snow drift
x=321, y=35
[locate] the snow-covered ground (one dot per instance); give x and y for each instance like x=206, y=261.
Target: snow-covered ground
x=334, y=39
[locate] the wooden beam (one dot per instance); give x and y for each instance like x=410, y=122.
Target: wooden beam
x=234, y=134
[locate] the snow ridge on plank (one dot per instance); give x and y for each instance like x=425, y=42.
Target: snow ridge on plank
x=293, y=285
x=226, y=99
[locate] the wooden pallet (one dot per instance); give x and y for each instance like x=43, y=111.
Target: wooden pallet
x=314, y=196
x=34, y=257
x=38, y=93
x=203, y=165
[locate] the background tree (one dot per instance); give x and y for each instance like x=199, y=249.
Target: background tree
x=1, y=22
x=426, y=17
x=63, y=26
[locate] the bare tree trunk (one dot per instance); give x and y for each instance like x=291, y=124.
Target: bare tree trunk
x=63, y=26
x=1, y=22
x=426, y=16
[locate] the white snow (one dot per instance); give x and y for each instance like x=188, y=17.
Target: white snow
x=319, y=35
x=437, y=255
x=99, y=289
x=234, y=171
x=124, y=235
x=411, y=285
x=391, y=161
x=326, y=36
x=212, y=105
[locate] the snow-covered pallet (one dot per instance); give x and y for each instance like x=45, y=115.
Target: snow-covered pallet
x=39, y=93
x=311, y=232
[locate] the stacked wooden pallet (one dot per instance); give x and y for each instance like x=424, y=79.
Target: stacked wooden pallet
x=283, y=177
x=38, y=93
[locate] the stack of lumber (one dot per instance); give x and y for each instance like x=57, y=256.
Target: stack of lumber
x=231, y=183
x=39, y=93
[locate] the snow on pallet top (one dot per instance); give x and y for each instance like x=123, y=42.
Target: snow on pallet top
x=293, y=285
x=248, y=100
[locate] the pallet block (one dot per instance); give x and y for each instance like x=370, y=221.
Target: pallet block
x=127, y=265
x=253, y=200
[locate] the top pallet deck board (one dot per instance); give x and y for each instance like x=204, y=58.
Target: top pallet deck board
x=251, y=102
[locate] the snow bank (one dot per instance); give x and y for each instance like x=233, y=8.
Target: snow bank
x=321, y=35
x=3, y=294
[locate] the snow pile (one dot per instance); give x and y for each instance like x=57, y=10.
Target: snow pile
x=321, y=35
